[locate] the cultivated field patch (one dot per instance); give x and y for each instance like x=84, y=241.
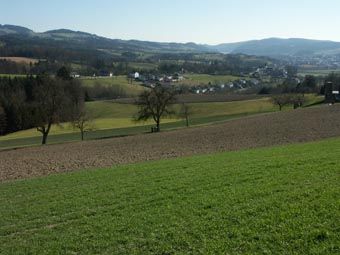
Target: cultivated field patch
x=21, y=60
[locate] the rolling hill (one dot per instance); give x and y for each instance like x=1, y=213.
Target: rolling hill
x=19, y=40
x=12, y=36
x=274, y=47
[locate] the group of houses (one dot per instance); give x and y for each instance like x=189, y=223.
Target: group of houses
x=150, y=79
x=273, y=71
x=240, y=84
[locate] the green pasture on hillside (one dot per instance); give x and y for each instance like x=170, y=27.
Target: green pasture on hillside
x=121, y=82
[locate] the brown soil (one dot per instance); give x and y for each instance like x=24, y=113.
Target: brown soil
x=265, y=130
x=21, y=60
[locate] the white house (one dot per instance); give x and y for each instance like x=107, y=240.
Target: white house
x=75, y=75
x=136, y=75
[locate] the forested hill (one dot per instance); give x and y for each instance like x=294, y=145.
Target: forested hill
x=20, y=41
x=275, y=47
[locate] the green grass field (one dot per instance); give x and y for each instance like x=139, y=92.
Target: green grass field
x=116, y=119
x=320, y=72
x=204, y=79
x=13, y=75
x=121, y=82
x=282, y=200
x=143, y=66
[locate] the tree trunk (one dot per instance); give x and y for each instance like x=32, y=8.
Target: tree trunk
x=187, y=121
x=158, y=126
x=44, y=139
x=82, y=135
x=45, y=133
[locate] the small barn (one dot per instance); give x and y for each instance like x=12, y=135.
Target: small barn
x=332, y=93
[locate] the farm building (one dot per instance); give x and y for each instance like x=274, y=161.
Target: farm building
x=75, y=75
x=332, y=92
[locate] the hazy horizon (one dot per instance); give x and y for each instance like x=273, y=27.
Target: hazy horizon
x=203, y=22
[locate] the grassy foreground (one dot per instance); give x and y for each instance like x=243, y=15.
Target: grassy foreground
x=282, y=200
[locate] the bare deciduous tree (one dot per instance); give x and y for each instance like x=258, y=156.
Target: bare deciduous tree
x=155, y=103
x=281, y=100
x=55, y=101
x=83, y=122
x=298, y=100
x=48, y=105
x=185, y=112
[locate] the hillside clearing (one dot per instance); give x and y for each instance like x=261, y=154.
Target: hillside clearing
x=205, y=79
x=119, y=82
x=20, y=60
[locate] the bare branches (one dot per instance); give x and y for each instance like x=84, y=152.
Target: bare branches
x=281, y=100
x=83, y=122
x=155, y=104
x=185, y=112
x=54, y=101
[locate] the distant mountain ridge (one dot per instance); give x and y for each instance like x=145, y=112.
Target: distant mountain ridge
x=11, y=29
x=92, y=41
x=280, y=47
x=16, y=36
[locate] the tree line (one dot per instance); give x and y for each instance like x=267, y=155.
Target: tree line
x=39, y=102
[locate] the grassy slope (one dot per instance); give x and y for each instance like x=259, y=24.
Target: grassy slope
x=117, y=81
x=282, y=200
x=13, y=75
x=320, y=72
x=143, y=66
x=204, y=79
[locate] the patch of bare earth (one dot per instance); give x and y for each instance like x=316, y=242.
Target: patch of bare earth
x=20, y=60
x=258, y=131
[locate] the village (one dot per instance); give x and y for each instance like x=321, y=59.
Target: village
x=262, y=76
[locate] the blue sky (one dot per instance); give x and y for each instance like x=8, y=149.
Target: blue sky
x=201, y=21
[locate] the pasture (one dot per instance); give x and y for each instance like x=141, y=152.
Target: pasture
x=317, y=72
x=119, y=82
x=13, y=75
x=205, y=79
x=281, y=200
